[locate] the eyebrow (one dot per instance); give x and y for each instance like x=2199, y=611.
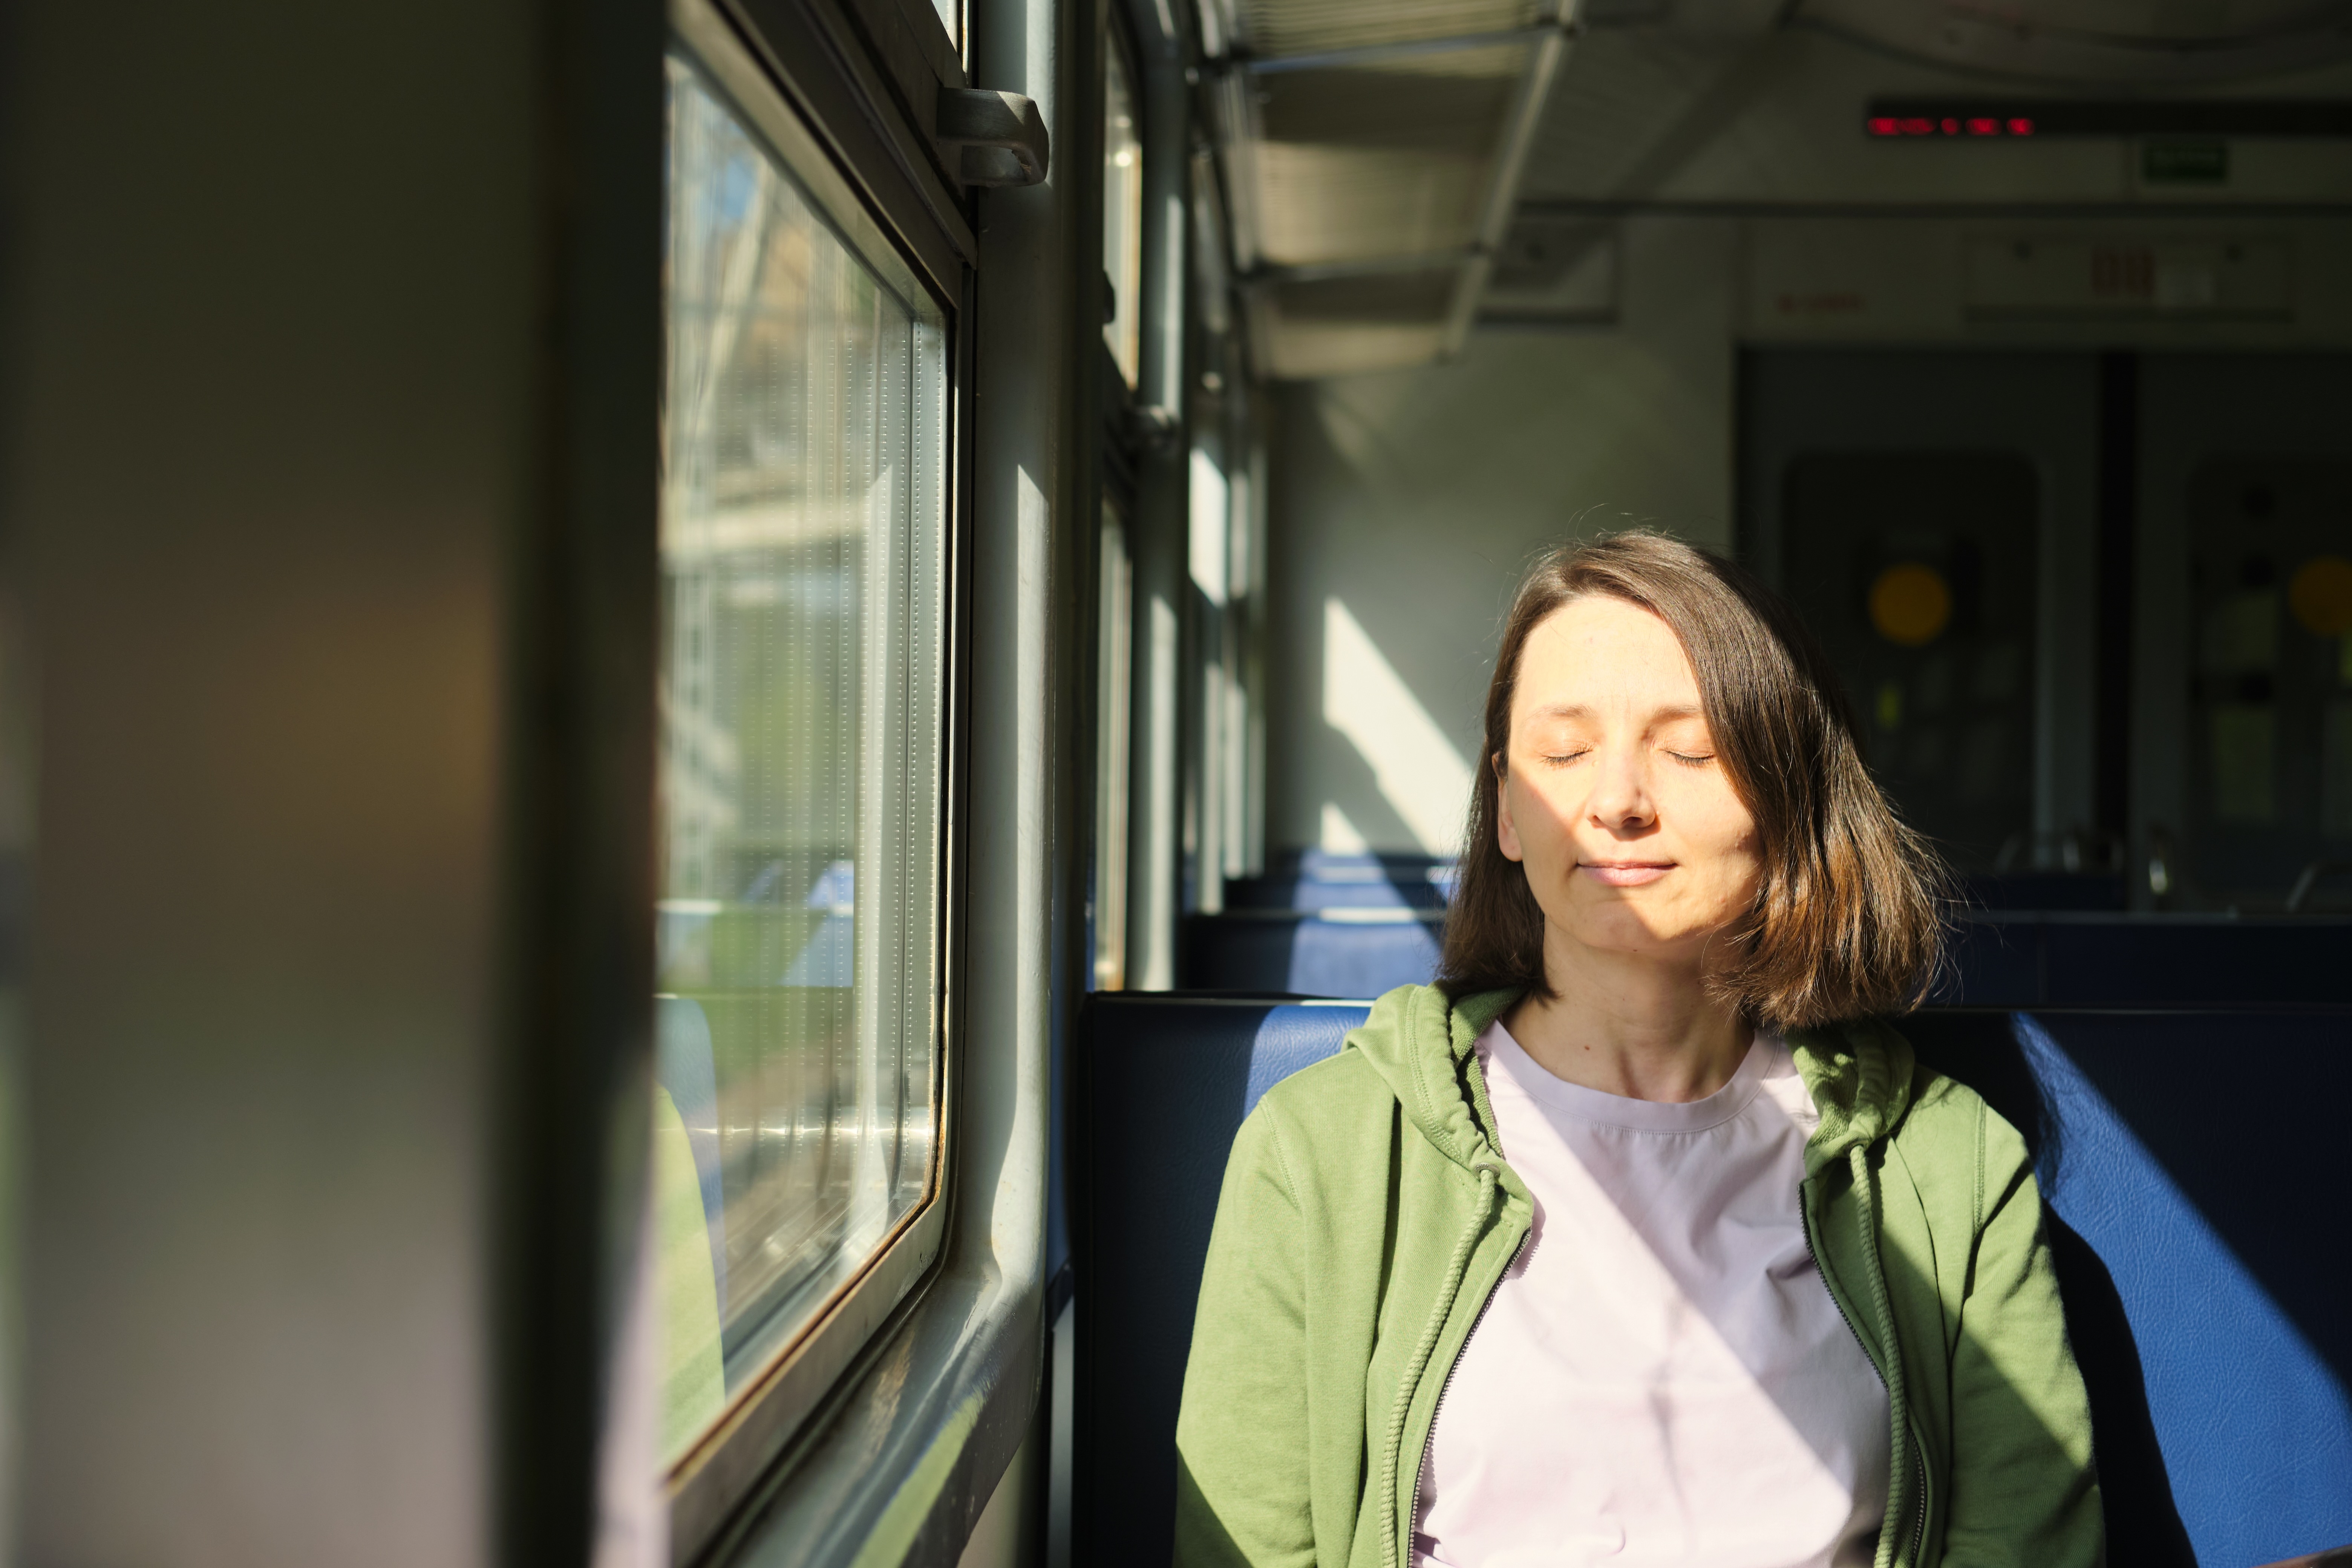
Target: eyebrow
x=1580, y=710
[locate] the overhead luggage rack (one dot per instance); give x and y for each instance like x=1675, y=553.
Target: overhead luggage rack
x=1371, y=155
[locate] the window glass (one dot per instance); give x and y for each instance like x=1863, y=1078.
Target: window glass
x=801, y=675
x=1122, y=213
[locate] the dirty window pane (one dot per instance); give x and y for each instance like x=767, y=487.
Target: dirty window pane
x=801, y=554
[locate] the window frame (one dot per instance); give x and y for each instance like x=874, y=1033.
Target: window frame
x=707, y=1487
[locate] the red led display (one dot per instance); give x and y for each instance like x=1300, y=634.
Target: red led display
x=2046, y=118
x=1892, y=125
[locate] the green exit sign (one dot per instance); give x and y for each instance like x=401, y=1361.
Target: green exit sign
x=2185, y=163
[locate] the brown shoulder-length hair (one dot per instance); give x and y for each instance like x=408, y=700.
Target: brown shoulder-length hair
x=1849, y=913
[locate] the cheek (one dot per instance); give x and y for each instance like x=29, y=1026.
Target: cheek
x=1722, y=829
x=1535, y=813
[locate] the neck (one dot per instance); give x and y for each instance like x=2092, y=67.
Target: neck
x=1632, y=1024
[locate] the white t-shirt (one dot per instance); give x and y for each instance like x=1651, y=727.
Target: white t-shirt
x=1660, y=1377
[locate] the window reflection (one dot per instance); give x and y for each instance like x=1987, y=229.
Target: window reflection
x=799, y=708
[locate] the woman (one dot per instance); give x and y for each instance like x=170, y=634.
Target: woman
x=1634, y=1238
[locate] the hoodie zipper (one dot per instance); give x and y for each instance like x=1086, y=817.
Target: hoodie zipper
x=1482, y=1114
x=1420, y=1459
x=1910, y=1440
x=1919, y=1513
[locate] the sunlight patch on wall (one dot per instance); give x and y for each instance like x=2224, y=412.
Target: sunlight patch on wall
x=1341, y=836
x=1419, y=771
x=1209, y=521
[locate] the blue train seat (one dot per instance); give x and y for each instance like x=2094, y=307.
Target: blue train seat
x=1318, y=880
x=1335, y=951
x=2049, y=958
x=2195, y=1195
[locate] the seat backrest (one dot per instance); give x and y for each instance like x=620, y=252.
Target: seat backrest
x=1164, y=1087
x=2000, y=959
x=2196, y=1224
x=1320, y=881
x=1334, y=950
x=2192, y=1167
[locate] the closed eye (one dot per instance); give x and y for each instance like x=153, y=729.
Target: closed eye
x=1561, y=759
x=1693, y=760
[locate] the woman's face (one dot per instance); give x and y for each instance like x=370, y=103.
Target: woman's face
x=1611, y=794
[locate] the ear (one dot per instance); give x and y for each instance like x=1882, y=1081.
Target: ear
x=1506, y=832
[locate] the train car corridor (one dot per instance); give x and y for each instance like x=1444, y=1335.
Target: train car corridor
x=1070, y=783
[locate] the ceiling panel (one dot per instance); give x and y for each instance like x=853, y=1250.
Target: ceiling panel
x=1375, y=163
x=1337, y=325
x=1276, y=27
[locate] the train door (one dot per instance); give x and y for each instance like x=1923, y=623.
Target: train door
x=1997, y=550
x=1934, y=516
x=2243, y=729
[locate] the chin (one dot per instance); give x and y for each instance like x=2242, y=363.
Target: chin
x=1623, y=929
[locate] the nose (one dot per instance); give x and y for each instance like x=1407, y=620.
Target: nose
x=1621, y=801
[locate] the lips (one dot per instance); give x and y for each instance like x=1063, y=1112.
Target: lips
x=1625, y=873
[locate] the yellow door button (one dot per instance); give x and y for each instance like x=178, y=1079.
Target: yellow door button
x=2320, y=594
x=1910, y=604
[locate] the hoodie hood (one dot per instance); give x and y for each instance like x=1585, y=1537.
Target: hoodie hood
x=1860, y=1077
x=1419, y=1039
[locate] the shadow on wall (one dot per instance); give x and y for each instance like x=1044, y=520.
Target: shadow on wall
x=1420, y=779
x=1355, y=815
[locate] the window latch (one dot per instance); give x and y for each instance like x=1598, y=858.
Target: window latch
x=999, y=137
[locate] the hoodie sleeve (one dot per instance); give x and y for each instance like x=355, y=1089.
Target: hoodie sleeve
x=2024, y=1491
x=1242, y=1481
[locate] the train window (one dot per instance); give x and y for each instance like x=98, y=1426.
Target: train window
x=2270, y=591
x=803, y=562
x=1123, y=210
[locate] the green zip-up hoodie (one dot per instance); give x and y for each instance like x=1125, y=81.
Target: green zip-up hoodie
x=1367, y=1214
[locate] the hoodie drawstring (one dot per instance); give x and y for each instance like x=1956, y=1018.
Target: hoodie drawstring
x=1897, y=1405
x=1392, y=1529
